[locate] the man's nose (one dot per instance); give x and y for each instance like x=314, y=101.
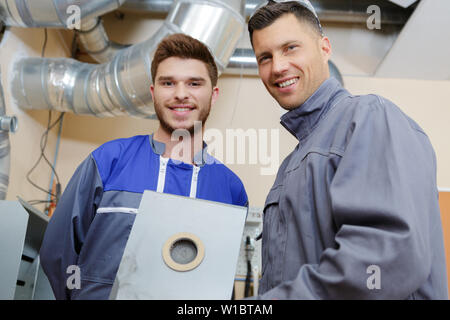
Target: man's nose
x=181, y=92
x=279, y=64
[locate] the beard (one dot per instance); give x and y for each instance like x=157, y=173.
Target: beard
x=203, y=116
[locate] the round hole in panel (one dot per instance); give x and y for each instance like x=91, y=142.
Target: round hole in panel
x=183, y=251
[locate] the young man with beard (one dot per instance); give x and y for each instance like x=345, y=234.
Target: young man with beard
x=353, y=212
x=93, y=220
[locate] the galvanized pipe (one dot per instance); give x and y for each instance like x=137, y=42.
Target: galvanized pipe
x=6, y=123
x=52, y=13
x=121, y=86
x=243, y=61
x=327, y=10
x=93, y=39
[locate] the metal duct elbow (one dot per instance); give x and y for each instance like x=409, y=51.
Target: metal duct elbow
x=243, y=61
x=121, y=86
x=52, y=13
x=94, y=40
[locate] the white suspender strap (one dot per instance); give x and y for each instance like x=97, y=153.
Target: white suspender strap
x=162, y=173
x=194, y=180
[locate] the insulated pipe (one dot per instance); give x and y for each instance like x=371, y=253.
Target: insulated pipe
x=94, y=40
x=121, y=86
x=6, y=124
x=61, y=14
x=52, y=13
x=327, y=10
x=243, y=61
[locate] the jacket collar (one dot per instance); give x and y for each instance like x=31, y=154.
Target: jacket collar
x=200, y=158
x=302, y=120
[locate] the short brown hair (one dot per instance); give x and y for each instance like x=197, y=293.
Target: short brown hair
x=185, y=47
x=269, y=13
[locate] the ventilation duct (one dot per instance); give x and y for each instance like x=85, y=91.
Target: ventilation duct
x=6, y=124
x=95, y=42
x=346, y=11
x=59, y=14
x=52, y=13
x=121, y=86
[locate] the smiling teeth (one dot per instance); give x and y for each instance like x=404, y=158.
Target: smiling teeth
x=287, y=83
x=181, y=109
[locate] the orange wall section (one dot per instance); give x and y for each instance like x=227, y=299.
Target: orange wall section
x=444, y=202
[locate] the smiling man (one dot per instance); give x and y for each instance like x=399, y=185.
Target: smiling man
x=353, y=212
x=87, y=234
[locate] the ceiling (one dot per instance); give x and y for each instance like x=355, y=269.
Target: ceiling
x=422, y=49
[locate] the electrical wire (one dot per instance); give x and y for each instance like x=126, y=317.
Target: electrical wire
x=238, y=92
x=44, y=46
x=34, y=202
x=44, y=140
x=43, y=145
x=58, y=184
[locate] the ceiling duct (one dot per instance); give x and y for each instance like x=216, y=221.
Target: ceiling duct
x=52, y=13
x=60, y=14
x=121, y=86
x=345, y=11
x=95, y=42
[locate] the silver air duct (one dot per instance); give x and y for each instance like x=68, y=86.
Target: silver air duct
x=163, y=6
x=94, y=40
x=243, y=61
x=6, y=124
x=52, y=13
x=61, y=14
x=327, y=10
x=121, y=86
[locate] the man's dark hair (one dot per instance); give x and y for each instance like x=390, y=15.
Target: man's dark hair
x=269, y=13
x=183, y=46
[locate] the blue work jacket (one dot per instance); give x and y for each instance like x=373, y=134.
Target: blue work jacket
x=91, y=224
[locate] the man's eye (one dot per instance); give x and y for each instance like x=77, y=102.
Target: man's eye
x=195, y=84
x=167, y=83
x=263, y=59
x=292, y=47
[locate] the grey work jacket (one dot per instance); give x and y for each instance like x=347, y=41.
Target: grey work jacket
x=353, y=212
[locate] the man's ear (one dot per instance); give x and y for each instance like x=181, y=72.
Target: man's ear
x=152, y=89
x=215, y=95
x=325, y=46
